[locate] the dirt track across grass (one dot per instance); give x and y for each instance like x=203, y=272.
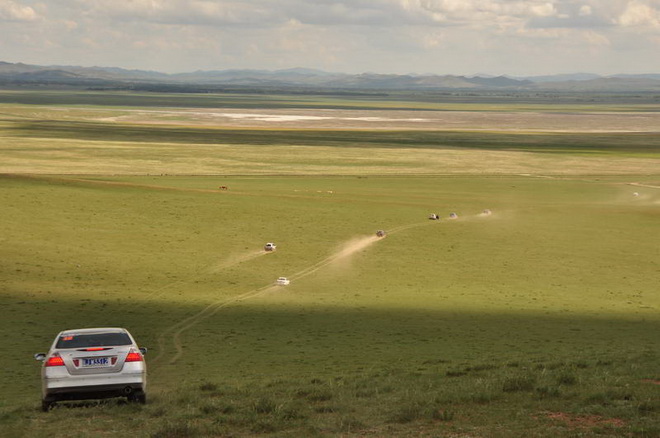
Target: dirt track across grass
x=176, y=330
x=345, y=251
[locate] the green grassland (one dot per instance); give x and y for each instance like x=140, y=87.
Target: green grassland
x=426, y=100
x=541, y=319
x=583, y=143
x=114, y=148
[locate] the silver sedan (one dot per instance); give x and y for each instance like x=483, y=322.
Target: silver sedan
x=93, y=363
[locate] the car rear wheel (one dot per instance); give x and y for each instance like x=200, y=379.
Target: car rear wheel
x=138, y=397
x=46, y=405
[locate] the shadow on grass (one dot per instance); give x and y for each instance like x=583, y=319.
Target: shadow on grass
x=273, y=369
x=249, y=342
x=586, y=143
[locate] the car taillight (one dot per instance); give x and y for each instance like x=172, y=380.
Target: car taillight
x=54, y=361
x=133, y=357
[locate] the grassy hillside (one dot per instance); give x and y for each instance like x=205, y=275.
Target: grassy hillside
x=540, y=319
x=75, y=148
x=558, y=283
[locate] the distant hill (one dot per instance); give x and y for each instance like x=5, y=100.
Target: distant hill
x=605, y=85
x=642, y=76
x=26, y=75
x=48, y=75
x=8, y=68
x=563, y=77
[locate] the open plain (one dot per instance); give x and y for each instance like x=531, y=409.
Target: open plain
x=540, y=319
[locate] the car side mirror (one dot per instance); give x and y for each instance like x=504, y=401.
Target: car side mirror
x=40, y=356
x=143, y=350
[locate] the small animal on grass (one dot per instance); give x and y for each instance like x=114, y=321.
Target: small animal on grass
x=223, y=188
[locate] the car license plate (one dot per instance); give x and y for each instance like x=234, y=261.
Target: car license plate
x=96, y=362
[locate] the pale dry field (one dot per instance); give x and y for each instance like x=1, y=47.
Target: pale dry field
x=56, y=156
x=311, y=118
x=27, y=147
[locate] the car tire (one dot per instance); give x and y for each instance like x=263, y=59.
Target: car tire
x=46, y=405
x=138, y=397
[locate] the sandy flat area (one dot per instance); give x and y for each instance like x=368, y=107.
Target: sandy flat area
x=394, y=120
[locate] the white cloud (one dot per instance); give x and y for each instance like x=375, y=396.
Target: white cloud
x=442, y=36
x=595, y=38
x=585, y=11
x=14, y=11
x=195, y=12
x=481, y=10
x=638, y=13
x=265, y=13
x=70, y=25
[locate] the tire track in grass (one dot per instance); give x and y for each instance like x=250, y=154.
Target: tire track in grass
x=574, y=178
x=346, y=250
x=643, y=185
x=210, y=269
x=175, y=330
x=207, y=312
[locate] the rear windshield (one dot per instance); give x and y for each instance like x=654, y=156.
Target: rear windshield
x=93, y=340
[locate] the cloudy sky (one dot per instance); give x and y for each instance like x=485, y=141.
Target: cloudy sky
x=516, y=37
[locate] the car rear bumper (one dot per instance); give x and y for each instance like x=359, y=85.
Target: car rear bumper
x=93, y=392
x=93, y=386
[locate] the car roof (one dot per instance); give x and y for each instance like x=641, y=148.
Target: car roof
x=94, y=330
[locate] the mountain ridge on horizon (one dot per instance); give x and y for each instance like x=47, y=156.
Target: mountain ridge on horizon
x=27, y=74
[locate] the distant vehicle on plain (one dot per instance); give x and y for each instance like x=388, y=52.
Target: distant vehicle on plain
x=270, y=246
x=93, y=363
x=380, y=233
x=283, y=281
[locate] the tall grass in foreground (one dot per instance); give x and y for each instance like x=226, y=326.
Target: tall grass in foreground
x=585, y=398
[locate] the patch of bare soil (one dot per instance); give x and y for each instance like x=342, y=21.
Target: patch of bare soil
x=397, y=119
x=584, y=421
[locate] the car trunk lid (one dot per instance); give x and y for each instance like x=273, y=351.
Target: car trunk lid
x=95, y=360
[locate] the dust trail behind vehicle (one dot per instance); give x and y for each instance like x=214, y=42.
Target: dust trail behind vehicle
x=345, y=250
x=251, y=255
x=209, y=269
x=175, y=331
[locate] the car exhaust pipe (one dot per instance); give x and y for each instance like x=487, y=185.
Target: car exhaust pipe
x=127, y=391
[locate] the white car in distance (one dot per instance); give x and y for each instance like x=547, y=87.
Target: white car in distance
x=283, y=281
